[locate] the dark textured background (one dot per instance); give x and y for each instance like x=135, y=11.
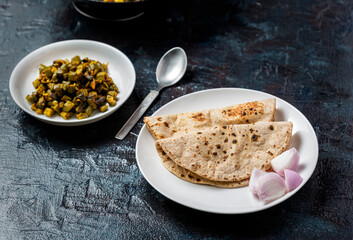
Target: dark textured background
x=81, y=183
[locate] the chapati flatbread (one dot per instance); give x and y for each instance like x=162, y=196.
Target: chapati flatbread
x=177, y=124
x=192, y=177
x=228, y=153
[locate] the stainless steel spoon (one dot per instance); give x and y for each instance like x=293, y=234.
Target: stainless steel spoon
x=170, y=70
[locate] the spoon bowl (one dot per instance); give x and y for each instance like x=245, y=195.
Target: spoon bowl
x=170, y=69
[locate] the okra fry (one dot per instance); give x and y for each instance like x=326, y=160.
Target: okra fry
x=73, y=87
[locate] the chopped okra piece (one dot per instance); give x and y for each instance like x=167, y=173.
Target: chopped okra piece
x=68, y=106
x=75, y=60
x=32, y=98
x=82, y=115
x=103, y=108
x=36, y=83
x=39, y=111
x=66, y=115
x=49, y=112
x=111, y=101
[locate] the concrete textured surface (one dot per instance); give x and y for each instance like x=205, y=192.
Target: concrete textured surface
x=81, y=183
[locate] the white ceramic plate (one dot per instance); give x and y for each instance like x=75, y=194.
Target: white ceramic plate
x=120, y=69
x=213, y=199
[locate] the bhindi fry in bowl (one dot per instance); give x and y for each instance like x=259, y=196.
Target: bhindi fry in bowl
x=77, y=87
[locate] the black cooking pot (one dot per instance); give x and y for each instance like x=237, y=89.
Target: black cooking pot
x=111, y=11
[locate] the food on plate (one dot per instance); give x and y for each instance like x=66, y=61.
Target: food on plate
x=73, y=87
x=254, y=179
x=273, y=185
x=192, y=177
x=177, y=124
x=292, y=179
x=228, y=153
x=185, y=121
x=287, y=160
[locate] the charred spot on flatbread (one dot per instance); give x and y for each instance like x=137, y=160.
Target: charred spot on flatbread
x=199, y=117
x=254, y=138
x=244, y=110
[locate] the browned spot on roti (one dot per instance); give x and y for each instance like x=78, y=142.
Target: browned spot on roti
x=254, y=138
x=270, y=127
x=199, y=117
x=190, y=176
x=166, y=124
x=244, y=109
x=226, y=140
x=218, y=146
x=269, y=152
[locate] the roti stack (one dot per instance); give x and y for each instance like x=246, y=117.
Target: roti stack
x=215, y=147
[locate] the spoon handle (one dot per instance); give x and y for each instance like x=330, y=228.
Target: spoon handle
x=130, y=123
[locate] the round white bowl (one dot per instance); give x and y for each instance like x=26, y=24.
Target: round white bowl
x=120, y=69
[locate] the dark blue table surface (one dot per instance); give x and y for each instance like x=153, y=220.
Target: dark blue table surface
x=81, y=183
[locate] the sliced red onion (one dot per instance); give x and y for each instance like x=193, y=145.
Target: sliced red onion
x=287, y=160
x=254, y=183
x=292, y=179
x=271, y=186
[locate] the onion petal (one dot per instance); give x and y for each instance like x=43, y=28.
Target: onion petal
x=271, y=186
x=287, y=160
x=253, y=182
x=292, y=180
